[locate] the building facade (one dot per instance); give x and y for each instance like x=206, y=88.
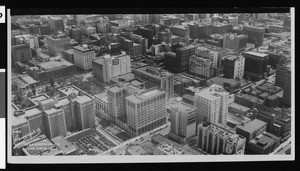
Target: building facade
x=212, y=105
x=56, y=44
x=146, y=111
x=255, y=65
x=217, y=140
x=234, y=67
x=83, y=57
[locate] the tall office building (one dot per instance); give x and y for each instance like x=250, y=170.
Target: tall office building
x=201, y=66
x=182, y=31
x=45, y=29
x=255, y=34
x=212, y=105
x=75, y=33
x=55, y=121
x=78, y=18
x=56, y=24
x=146, y=111
x=286, y=98
x=21, y=53
x=234, y=67
x=234, y=42
x=183, y=120
x=110, y=66
x=165, y=36
x=287, y=24
x=83, y=56
x=79, y=108
x=180, y=62
x=56, y=44
x=281, y=74
x=255, y=65
x=155, y=77
x=140, y=40
x=217, y=140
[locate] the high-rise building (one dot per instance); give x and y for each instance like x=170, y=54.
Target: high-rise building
x=83, y=56
x=234, y=42
x=255, y=34
x=255, y=65
x=182, y=31
x=79, y=108
x=75, y=33
x=78, y=18
x=147, y=33
x=165, y=36
x=56, y=24
x=140, y=40
x=221, y=28
x=116, y=95
x=56, y=44
x=55, y=121
x=286, y=98
x=146, y=111
x=21, y=53
x=287, y=24
x=212, y=105
x=183, y=120
x=110, y=66
x=281, y=74
x=214, y=139
x=201, y=66
x=234, y=67
x=180, y=62
x=155, y=77
x=34, y=29
x=45, y=29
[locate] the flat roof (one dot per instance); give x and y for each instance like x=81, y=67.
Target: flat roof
x=82, y=49
x=144, y=95
x=42, y=147
x=81, y=134
x=38, y=98
x=256, y=54
x=253, y=125
x=264, y=140
x=102, y=96
x=208, y=94
x=180, y=106
x=238, y=106
x=65, y=146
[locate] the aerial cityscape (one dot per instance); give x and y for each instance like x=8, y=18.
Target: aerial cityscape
x=151, y=84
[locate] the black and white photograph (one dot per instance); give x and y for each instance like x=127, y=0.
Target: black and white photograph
x=136, y=87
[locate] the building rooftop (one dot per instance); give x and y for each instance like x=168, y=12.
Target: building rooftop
x=253, y=125
x=82, y=48
x=41, y=148
x=38, y=98
x=102, y=96
x=262, y=55
x=144, y=95
x=209, y=92
x=65, y=146
x=264, y=140
x=238, y=106
x=84, y=133
x=180, y=106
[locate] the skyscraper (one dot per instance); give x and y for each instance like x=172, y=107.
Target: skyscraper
x=56, y=44
x=255, y=65
x=212, y=105
x=110, y=66
x=146, y=111
x=83, y=56
x=234, y=67
x=183, y=120
x=155, y=77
